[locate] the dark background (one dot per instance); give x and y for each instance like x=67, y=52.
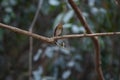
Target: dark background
x=76, y=61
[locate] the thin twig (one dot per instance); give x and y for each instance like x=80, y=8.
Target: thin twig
x=86, y=35
x=95, y=39
x=31, y=39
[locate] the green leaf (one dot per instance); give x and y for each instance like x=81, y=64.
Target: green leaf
x=68, y=16
x=54, y=2
x=6, y=19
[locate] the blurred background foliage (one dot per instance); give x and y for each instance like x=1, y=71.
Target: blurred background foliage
x=51, y=62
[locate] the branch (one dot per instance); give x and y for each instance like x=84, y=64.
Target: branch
x=36, y=36
x=86, y=35
x=52, y=39
x=36, y=15
x=117, y=2
x=95, y=39
x=31, y=39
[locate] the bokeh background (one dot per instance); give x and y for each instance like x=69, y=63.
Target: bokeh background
x=51, y=62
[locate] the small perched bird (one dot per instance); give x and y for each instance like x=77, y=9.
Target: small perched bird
x=58, y=30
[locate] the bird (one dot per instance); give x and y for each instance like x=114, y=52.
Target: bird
x=58, y=30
